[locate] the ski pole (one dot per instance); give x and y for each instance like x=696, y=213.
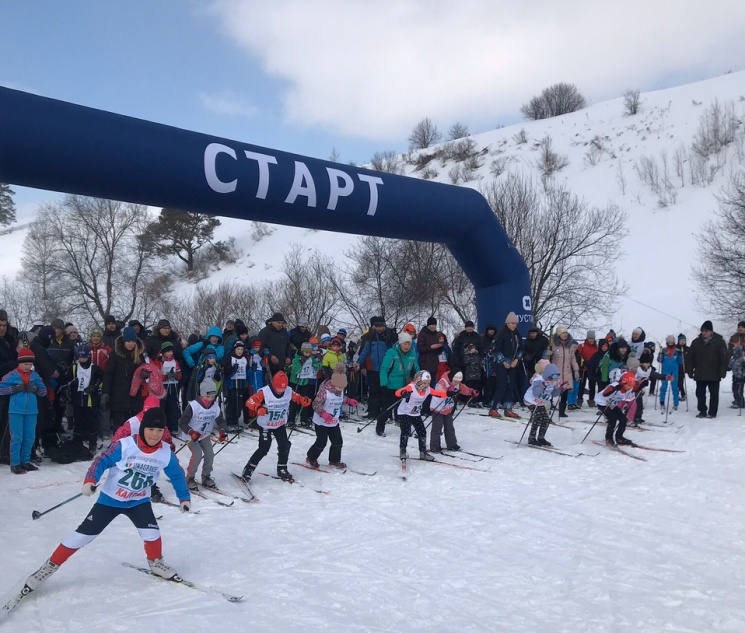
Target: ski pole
x=594, y=423
x=530, y=421
x=226, y=443
x=37, y=515
x=362, y=428
x=462, y=408
x=667, y=398
x=189, y=441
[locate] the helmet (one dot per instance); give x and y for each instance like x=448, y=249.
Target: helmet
x=628, y=379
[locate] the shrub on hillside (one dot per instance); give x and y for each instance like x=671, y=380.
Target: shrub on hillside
x=555, y=100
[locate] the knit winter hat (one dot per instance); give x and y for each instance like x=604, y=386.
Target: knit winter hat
x=403, y=337
x=239, y=343
x=326, y=338
x=277, y=316
x=560, y=329
x=26, y=356
x=165, y=346
x=303, y=321
x=207, y=388
x=637, y=331
x=681, y=337
x=457, y=377
x=96, y=331
x=511, y=318
x=306, y=347
x=279, y=381
x=590, y=334
x=58, y=324
x=706, y=325
x=670, y=340
x=469, y=324
x=541, y=365
x=431, y=321
x=409, y=327
x=339, y=377
x=621, y=343
x=129, y=335
x=550, y=372
x=342, y=332
x=70, y=329
x=336, y=341
x=153, y=419
x=4, y=315
x=646, y=357
x=163, y=323
x=632, y=364
x=109, y=319
x=422, y=379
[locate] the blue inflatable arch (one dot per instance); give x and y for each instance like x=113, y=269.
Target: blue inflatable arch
x=59, y=146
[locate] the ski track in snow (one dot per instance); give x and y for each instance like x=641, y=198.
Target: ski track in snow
x=538, y=543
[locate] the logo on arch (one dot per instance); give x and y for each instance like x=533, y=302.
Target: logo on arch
x=527, y=303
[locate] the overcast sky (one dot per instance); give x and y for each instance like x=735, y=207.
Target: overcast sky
x=307, y=76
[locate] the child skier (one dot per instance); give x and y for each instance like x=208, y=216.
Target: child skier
x=409, y=411
x=85, y=380
x=235, y=370
x=170, y=369
x=271, y=405
x=326, y=409
x=671, y=362
x=442, y=411
x=303, y=380
x=613, y=402
x=197, y=421
x=23, y=385
x=544, y=387
x=134, y=464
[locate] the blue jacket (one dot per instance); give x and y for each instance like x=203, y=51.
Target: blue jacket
x=374, y=347
x=191, y=353
x=670, y=365
x=23, y=402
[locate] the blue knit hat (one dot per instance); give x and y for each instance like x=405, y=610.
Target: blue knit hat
x=129, y=334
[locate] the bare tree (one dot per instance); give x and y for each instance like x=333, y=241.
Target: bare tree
x=424, y=134
x=631, y=102
x=98, y=259
x=549, y=161
x=388, y=162
x=20, y=301
x=458, y=130
x=558, y=99
x=717, y=127
x=720, y=272
x=7, y=206
x=570, y=248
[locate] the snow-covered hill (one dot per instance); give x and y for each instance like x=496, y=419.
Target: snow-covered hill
x=603, y=147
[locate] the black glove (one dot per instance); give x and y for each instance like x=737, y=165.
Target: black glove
x=105, y=401
x=90, y=389
x=171, y=375
x=32, y=388
x=144, y=373
x=18, y=388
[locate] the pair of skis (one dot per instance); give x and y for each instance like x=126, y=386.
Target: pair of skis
x=320, y=469
x=554, y=450
x=622, y=451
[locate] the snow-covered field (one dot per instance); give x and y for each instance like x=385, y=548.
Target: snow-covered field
x=537, y=543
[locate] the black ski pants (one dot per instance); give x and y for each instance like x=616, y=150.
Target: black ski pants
x=323, y=434
x=406, y=422
x=265, y=443
x=713, y=387
x=616, y=422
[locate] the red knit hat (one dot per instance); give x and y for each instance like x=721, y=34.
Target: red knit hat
x=26, y=356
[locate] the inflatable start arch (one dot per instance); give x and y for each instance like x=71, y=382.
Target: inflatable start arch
x=59, y=146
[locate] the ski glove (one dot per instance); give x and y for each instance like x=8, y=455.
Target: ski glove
x=185, y=506
x=222, y=437
x=327, y=417
x=352, y=402
x=194, y=435
x=89, y=488
x=18, y=388
x=306, y=402
x=90, y=389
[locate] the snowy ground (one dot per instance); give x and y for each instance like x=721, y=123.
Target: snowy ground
x=539, y=542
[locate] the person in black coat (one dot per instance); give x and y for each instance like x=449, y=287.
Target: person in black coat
x=129, y=354
x=299, y=334
x=468, y=336
x=508, y=352
x=8, y=356
x=708, y=362
x=535, y=348
x=275, y=342
x=47, y=429
x=429, y=347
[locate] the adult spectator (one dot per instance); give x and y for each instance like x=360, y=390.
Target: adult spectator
x=373, y=347
x=139, y=328
x=229, y=339
x=636, y=344
x=429, y=347
x=708, y=361
x=164, y=333
x=8, y=356
x=587, y=350
x=397, y=370
x=275, y=342
x=341, y=334
x=110, y=331
x=535, y=348
x=129, y=354
x=299, y=334
x=684, y=349
x=62, y=351
x=563, y=356
x=490, y=368
x=467, y=336
x=47, y=429
x=508, y=352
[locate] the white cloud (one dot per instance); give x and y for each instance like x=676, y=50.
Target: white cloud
x=373, y=69
x=227, y=103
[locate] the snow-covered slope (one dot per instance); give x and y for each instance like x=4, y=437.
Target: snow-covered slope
x=661, y=245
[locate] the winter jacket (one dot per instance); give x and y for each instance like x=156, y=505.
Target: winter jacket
x=397, y=368
x=89, y=396
x=671, y=361
x=592, y=366
x=612, y=360
x=100, y=355
x=277, y=342
x=147, y=381
x=736, y=339
x=330, y=360
x=109, y=338
x=563, y=357
x=428, y=357
x=62, y=353
x=459, y=345
x=154, y=342
x=535, y=349
x=298, y=337
x=23, y=401
x=374, y=347
x=737, y=363
x=117, y=378
x=192, y=354
x=709, y=359
x=8, y=352
x=508, y=346
x=297, y=364
x=637, y=347
x=587, y=351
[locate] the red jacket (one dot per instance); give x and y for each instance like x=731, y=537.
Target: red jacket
x=100, y=355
